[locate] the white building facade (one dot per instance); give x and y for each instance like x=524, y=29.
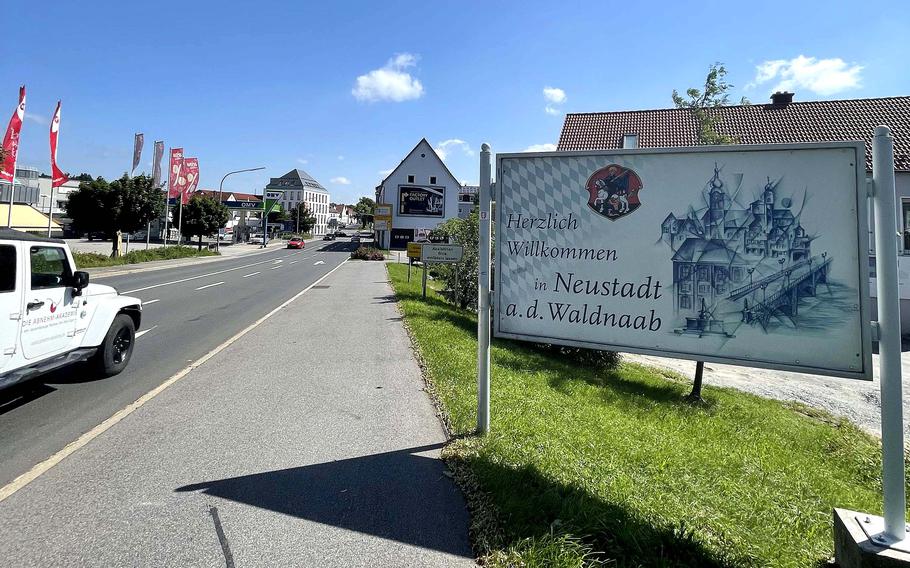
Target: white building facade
x=300, y=187
x=422, y=192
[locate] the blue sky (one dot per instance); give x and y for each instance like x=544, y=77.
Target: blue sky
x=345, y=89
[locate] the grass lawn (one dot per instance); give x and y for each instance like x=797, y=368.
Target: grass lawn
x=95, y=260
x=584, y=466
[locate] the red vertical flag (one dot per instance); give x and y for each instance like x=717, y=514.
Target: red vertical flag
x=173, y=178
x=191, y=174
x=11, y=139
x=58, y=178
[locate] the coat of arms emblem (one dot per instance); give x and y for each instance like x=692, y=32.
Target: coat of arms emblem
x=613, y=191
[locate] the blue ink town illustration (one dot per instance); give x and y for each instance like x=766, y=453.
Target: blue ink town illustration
x=739, y=265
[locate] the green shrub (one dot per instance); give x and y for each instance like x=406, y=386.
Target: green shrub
x=591, y=358
x=367, y=253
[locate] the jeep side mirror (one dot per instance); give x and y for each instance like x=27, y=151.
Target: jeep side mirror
x=80, y=280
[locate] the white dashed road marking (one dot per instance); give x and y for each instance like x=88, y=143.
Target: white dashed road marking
x=252, y=274
x=210, y=285
x=147, y=302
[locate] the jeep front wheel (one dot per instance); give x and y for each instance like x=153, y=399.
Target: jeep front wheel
x=115, y=351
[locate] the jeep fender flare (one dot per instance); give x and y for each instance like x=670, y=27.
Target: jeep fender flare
x=104, y=315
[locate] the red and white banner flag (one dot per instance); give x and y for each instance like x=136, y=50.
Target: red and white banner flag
x=191, y=174
x=173, y=178
x=156, y=163
x=138, y=142
x=11, y=139
x=58, y=178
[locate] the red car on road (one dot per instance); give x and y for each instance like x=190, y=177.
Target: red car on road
x=296, y=243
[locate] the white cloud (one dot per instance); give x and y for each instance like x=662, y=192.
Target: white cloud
x=541, y=148
x=554, y=95
x=302, y=161
x=389, y=83
x=820, y=76
x=37, y=118
x=443, y=148
x=341, y=180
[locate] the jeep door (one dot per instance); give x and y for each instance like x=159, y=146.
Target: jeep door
x=10, y=302
x=49, y=317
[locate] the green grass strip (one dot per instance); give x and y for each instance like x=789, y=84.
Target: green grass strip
x=586, y=466
x=95, y=260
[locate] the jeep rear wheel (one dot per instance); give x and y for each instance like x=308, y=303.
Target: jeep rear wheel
x=115, y=351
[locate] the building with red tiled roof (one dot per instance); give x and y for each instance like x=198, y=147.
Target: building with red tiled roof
x=230, y=195
x=780, y=121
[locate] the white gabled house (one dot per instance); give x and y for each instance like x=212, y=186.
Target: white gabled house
x=422, y=192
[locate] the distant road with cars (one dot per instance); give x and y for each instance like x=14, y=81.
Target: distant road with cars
x=187, y=312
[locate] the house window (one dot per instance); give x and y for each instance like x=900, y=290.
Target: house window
x=685, y=302
x=432, y=180
x=630, y=141
x=410, y=179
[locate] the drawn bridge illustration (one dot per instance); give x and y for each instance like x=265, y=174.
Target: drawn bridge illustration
x=750, y=262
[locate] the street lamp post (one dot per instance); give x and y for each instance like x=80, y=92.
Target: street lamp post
x=220, y=192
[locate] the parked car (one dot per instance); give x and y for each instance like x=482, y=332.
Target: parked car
x=341, y=234
x=328, y=237
x=355, y=239
x=61, y=319
x=296, y=243
x=256, y=239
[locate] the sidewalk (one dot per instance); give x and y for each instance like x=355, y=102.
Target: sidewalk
x=304, y=443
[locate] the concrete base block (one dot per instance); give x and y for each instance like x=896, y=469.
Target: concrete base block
x=854, y=546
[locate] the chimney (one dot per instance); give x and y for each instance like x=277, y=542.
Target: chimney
x=781, y=99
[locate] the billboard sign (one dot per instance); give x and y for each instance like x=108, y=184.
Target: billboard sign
x=271, y=201
x=423, y=201
x=441, y=254
x=753, y=255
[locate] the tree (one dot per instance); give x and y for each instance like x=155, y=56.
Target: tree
x=306, y=219
x=461, y=279
x=202, y=216
x=701, y=102
x=364, y=210
x=123, y=205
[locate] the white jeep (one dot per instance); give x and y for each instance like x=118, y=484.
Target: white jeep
x=50, y=316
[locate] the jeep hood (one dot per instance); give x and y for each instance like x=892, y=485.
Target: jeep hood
x=93, y=290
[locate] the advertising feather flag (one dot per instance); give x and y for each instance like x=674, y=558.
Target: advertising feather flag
x=58, y=178
x=11, y=140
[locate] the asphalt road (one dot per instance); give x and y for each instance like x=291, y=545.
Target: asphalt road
x=187, y=311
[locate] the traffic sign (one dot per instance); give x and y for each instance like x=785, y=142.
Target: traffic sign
x=441, y=253
x=414, y=250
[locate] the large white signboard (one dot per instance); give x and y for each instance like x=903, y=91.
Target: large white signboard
x=746, y=255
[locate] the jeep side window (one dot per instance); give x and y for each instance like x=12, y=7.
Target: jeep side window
x=50, y=268
x=7, y=268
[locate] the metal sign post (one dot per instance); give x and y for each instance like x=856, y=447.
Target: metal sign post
x=424, y=279
x=889, y=337
x=483, y=293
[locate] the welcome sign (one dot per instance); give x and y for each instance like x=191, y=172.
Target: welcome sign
x=745, y=255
